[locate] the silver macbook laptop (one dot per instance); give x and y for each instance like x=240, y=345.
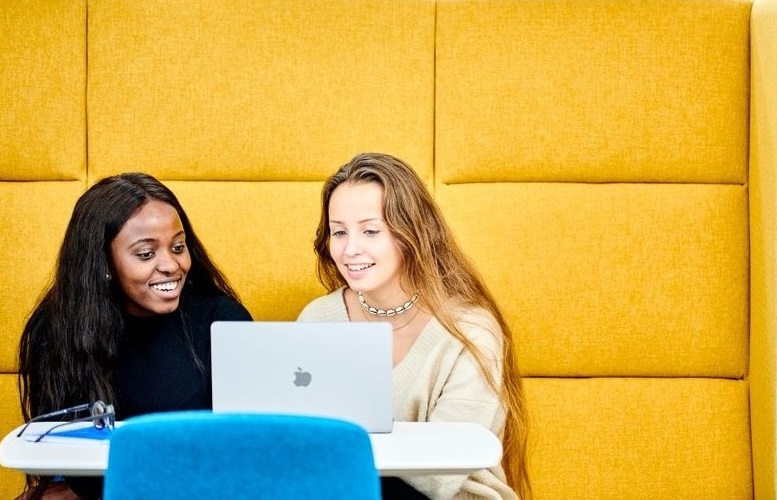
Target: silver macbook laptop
x=339, y=370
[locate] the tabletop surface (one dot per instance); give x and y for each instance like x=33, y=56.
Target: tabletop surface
x=411, y=448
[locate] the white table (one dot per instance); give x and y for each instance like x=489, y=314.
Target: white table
x=412, y=448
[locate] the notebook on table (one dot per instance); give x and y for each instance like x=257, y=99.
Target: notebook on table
x=338, y=370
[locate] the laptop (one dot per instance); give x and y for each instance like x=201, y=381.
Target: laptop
x=339, y=370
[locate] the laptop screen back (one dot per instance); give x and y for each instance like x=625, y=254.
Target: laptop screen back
x=338, y=370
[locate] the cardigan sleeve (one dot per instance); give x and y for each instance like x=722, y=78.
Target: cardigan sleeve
x=466, y=396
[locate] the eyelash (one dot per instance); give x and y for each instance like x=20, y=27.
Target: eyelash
x=177, y=249
x=368, y=232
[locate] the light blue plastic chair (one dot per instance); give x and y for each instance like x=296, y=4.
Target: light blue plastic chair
x=185, y=455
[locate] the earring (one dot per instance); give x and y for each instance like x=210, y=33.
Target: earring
x=108, y=276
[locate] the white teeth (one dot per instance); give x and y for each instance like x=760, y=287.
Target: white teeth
x=359, y=267
x=165, y=287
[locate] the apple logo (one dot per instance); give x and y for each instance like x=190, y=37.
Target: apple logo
x=302, y=378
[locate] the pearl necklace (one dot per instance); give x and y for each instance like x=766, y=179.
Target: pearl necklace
x=387, y=312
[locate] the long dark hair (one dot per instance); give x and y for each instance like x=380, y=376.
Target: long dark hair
x=434, y=264
x=70, y=341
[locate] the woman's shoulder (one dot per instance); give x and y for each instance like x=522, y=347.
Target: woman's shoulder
x=328, y=307
x=478, y=324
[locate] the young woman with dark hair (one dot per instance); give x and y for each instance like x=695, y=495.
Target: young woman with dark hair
x=126, y=319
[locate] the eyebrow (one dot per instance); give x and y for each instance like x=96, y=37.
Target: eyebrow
x=372, y=219
x=151, y=240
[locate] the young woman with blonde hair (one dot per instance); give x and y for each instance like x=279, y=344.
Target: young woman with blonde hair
x=385, y=253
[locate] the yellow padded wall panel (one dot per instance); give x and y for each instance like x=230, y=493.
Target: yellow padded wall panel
x=258, y=89
x=11, y=481
x=613, y=279
x=592, y=90
x=261, y=236
x=42, y=89
x=662, y=439
x=763, y=213
x=33, y=216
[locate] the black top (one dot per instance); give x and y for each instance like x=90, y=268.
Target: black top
x=158, y=370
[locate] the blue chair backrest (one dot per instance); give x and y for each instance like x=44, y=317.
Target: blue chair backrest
x=199, y=454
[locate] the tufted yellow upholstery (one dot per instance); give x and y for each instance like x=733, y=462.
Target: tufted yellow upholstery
x=614, y=279
x=763, y=264
x=603, y=91
x=42, y=79
x=654, y=437
x=247, y=229
x=610, y=165
x=269, y=91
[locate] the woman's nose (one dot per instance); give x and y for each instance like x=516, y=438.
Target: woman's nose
x=167, y=262
x=352, y=246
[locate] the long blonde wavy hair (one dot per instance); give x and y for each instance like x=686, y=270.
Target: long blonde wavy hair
x=433, y=264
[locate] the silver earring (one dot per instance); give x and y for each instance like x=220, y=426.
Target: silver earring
x=108, y=276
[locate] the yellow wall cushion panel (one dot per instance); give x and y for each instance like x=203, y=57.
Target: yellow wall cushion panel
x=613, y=279
x=763, y=213
x=33, y=216
x=42, y=89
x=261, y=236
x=592, y=90
x=11, y=481
x=639, y=438
x=256, y=90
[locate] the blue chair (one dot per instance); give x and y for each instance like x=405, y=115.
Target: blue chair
x=199, y=454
